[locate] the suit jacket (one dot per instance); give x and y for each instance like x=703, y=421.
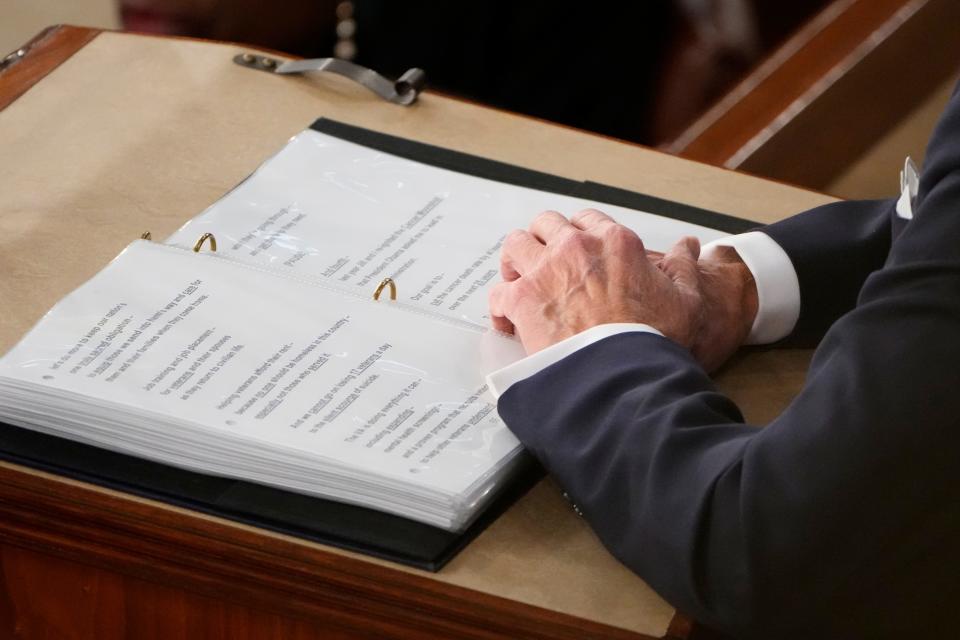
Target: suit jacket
x=841, y=518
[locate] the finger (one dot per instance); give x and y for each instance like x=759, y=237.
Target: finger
x=549, y=225
x=655, y=257
x=680, y=263
x=591, y=220
x=498, y=299
x=507, y=272
x=520, y=253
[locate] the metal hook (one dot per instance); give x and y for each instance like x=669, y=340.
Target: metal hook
x=403, y=91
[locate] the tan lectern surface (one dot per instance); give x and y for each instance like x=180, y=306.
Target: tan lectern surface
x=134, y=133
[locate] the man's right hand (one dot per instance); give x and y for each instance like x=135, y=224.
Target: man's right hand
x=729, y=302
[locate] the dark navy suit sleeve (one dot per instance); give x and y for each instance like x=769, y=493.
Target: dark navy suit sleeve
x=840, y=518
x=833, y=249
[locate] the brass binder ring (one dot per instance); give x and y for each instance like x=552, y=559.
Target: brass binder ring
x=146, y=235
x=204, y=238
x=386, y=282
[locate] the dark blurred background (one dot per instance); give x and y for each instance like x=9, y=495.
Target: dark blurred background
x=640, y=71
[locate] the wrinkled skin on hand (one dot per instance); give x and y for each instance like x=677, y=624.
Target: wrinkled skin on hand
x=561, y=277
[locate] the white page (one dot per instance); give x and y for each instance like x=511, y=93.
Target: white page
x=241, y=352
x=346, y=213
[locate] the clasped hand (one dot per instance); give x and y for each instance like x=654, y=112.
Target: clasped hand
x=561, y=277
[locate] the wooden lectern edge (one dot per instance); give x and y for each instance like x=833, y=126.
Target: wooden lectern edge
x=214, y=557
x=759, y=125
x=44, y=52
x=751, y=108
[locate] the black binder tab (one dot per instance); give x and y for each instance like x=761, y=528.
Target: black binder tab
x=404, y=91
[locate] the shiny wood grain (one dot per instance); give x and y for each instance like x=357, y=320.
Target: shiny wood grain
x=201, y=555
x=822, y=99
x=44, y=53
x=42, y=596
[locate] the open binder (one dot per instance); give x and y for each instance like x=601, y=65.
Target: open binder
x=336, y=523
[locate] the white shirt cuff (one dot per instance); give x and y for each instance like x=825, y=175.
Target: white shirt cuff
x=778, y=290
x=501, y=379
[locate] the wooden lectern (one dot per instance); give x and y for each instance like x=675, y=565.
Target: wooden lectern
x=105, y=135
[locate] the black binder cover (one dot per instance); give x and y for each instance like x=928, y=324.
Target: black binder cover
x=341, y=525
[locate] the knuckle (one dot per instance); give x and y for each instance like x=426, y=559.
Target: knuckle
x=518, y=288
x=514, y=235
x=545, y=217
x=495, y=298
x=565, y=231
x=520, y=291
x=506, y=297
x=618, y=232
x=624, y=237
x=512, y=239
x=609, y=232
x=573, y=242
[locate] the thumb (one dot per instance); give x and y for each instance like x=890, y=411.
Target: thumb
x=680, y=263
